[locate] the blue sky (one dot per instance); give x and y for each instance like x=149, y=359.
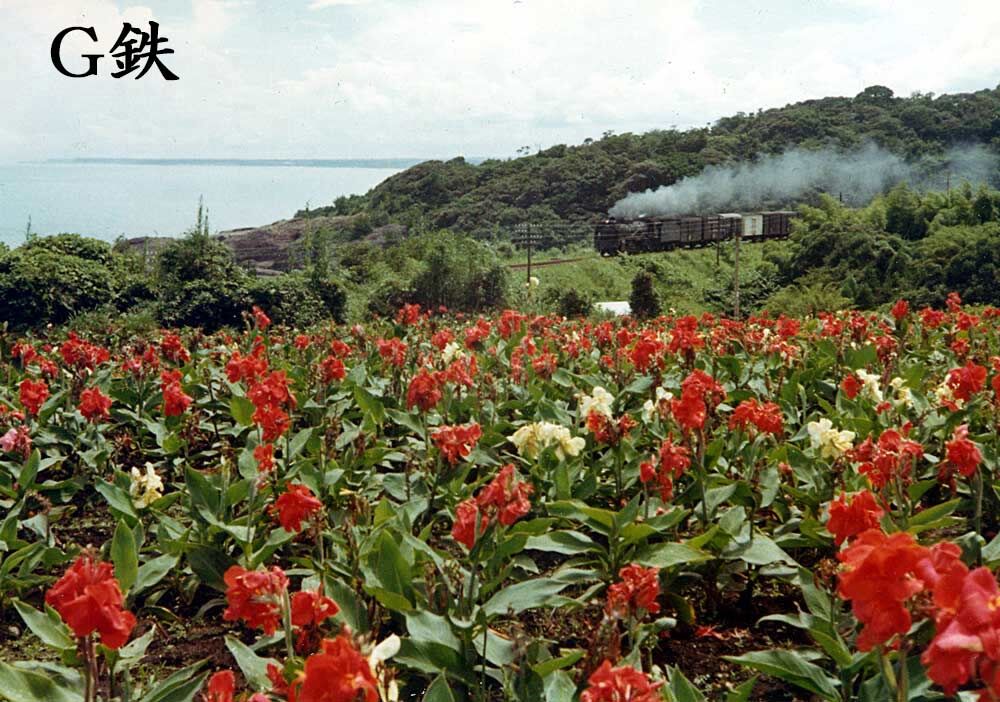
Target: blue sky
x=438, y=78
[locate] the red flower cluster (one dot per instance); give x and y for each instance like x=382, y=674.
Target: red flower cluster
x=221, y=687
x=966, y=381
x=271, y=397
x=636, y=592
x=264, y=455
x=699, y=393
x=900, y=310
x=33, y=394
x=247, y=368
x=607, y=430
x=94, y=404
x=89, y=599
x=848, y=519
x=296, y=504
x=766, y=417
x=878, y=579
x=667, y=465
x=173, y=348
x=332, y=368
x=503, y=500
x=175, y=401
x=621, y=684
x=255, y=597
x=260, y=319
x=80, y=354
x=456, y=441
x=309, y=610
x=962, y=454
x=393, y=351
x=424, y=391
x=337, y=673
x=890, y=457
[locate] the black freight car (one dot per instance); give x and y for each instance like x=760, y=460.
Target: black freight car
x=645, y=234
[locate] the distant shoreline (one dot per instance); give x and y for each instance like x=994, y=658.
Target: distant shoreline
x=398, y=163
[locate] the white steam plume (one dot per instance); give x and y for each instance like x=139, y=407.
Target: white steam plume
x=782, y=179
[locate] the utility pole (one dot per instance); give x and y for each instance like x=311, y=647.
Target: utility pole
x=736, y=275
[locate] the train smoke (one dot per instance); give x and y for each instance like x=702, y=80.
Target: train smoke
x=784, y=179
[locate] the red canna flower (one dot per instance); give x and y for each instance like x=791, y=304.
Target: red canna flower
x=878, y=578
x=689, y=411
x=175, y=401
x=636, y=591
x=261, y=320
x=766, y=417
x=424, y=391
x=94, y=404
x=621, y=684
x=456, y=441
x=963, y=455
x=850, y=519
x=33, y=394
x=264, y=455
x=851, y=385
x=248, y=368
x=668, y=464
x=468, y=523
x=332, y=368
x=393, y=351
x=221, y=687
x=89, y=600
x=272, y=390
x=255, y=597
x=272, y=420
x=338, y=673
x=309, y=610
x=900, y=310
x=967, y=380
x=296, y=504
x=408, y=314
x=173, y=348
x=502, y=499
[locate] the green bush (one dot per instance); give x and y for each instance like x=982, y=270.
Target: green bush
x=295, y=300
x=644, y=301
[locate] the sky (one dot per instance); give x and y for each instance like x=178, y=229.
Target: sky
x=441, y=78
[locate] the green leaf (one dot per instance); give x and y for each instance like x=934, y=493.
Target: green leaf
x=438, y=691
x=742, y=692
x=46, y=626
x=26, y=686
x=681, y=689
x=427, y=626
x=791, y=667
x=559, y=687
x=254, y=667
x=540, y=592
x=153, y=571
x=569, y=543
x=29, y=470
x=125, y=556
x=670, y=554
x=117, y=498
x=298, y=442
x=242, y=410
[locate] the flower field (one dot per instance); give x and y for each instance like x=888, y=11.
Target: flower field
x=445, y=508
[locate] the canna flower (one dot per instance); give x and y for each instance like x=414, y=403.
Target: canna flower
x=850, y=519
x=635, y=593
x=424, y=391
x=309, y=610
x=667, y=465
x=295, y=505
x=532, y=439
x=89, y=599
x=94, y=404
x=652, y=408
x=264, y=455
x=175, y=401
x=962, y=454
x=221, y=687
x=146, y=488
x=900, y=310
x=456, y=441
x=33, y=394
x=17, y=440
x=830, y=442
x=870, y=386
x=337, y=673
x=966, y=381
x=260, y=319
x=599, y=402
x=503, y=500
x=621, y=684
x=255, y=596
x=766, y=417
x=902, y=396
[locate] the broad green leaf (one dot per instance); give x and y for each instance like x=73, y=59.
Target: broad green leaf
x=540, y=592
x=791, y=667
x=681, y=689
x=438, y=691
x=566, y=542
x=125, y=556
x=153, y=571
x=254, y=667
x=26, y=686
x=46, y=626
x=242, y=410
x=667, y=555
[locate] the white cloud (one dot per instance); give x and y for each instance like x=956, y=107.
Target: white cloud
x=321, y=4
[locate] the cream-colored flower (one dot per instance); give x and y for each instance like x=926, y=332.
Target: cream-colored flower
x=146, y=487
x=386, y=649
x=599, y=401
x=902, y=397
x=830, y=442
x=870, y=386
x=945, y=395
x=532, y=439
x=651, y=408
x=451, y=351
x=533, y=282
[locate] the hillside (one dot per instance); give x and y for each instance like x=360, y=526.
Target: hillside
x=580, y=183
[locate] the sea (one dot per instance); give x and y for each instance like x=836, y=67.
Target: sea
x=109, y=198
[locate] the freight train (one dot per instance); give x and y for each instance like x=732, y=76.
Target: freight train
x=644, y=234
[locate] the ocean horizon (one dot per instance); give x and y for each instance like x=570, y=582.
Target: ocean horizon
x=108, y=198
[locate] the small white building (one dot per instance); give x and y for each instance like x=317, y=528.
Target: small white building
x=620, y=308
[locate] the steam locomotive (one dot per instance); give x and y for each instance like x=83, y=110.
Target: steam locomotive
x=644, y=234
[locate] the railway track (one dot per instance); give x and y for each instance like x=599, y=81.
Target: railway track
x=541, y=264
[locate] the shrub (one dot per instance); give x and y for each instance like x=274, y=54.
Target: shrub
x=295, y=300
x=644, y=301
x=573, y=303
